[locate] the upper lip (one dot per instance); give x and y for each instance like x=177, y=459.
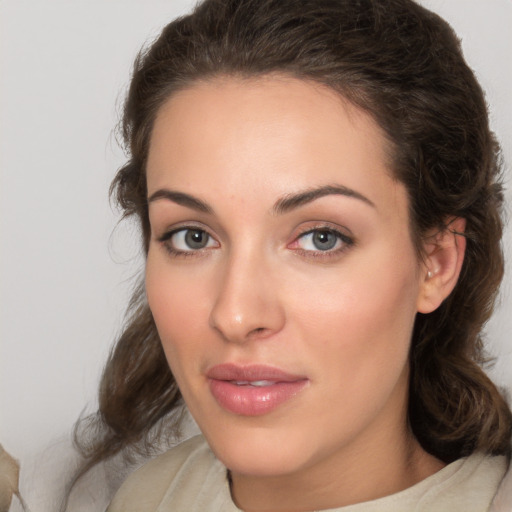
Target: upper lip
x=252, y=372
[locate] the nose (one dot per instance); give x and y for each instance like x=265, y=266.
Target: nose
x=247, y=304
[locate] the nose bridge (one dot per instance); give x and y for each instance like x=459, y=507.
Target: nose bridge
x=246, y=304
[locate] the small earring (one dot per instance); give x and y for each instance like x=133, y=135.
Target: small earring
x=432, y=273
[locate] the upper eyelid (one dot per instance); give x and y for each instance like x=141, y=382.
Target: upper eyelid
x=169, y=231
x=166, y=241
x=344, y=237
x=160, y=225
x=343, y=233
x=326, y=226
x=311, y=226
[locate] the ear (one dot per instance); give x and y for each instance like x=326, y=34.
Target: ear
x=444, y=255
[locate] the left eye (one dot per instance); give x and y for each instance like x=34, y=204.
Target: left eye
x=186, y=240
x=321, y=240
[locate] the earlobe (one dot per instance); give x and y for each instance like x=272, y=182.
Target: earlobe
x=444, y=254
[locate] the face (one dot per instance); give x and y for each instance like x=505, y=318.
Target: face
x=281, y=273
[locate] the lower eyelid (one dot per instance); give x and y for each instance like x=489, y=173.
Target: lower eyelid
x=347, y=242
x=343, y=239
x=166, y=242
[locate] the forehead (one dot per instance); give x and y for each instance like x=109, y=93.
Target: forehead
x=277, y=100
x=246, y=133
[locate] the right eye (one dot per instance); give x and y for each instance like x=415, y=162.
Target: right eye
x=187, y=240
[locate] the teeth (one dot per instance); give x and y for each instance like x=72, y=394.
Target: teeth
x=262, y=383
x=256, y=383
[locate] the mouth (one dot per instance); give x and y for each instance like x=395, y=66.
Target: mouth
x=253, y=390
x=256, y=383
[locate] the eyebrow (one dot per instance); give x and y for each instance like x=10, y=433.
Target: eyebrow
x=283, y=205
x=292, y=201
x=182, y=199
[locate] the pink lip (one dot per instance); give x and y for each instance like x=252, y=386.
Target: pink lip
x=230, y=385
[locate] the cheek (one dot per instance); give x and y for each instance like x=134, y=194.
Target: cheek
x=178, y=309
x=360, y=345
x=360, y=322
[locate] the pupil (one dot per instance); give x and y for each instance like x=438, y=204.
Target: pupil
x=324, y=240
x=196, y=239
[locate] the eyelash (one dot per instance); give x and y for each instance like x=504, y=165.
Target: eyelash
x=345, y=240
x=165, y=240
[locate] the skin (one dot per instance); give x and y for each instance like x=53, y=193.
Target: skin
x=261, y=291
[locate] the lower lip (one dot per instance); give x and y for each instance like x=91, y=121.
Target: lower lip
x=253, y=400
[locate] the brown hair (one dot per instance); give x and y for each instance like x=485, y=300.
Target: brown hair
x=403, y=65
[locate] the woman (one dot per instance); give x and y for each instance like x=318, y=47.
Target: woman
x=318, y=191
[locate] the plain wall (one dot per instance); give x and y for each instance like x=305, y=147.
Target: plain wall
x=66, y=271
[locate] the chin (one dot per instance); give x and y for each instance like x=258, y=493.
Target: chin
x=259, y=451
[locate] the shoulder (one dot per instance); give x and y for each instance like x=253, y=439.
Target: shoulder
x=503, y=500
x=177, y=476
x=466, y=485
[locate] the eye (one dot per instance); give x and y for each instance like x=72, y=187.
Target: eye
x=186, y=240
x=322, y=240
x=319, y=240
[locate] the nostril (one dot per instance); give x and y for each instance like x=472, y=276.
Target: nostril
x=257, y=332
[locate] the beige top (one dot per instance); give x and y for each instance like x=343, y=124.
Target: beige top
x=188, y=478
